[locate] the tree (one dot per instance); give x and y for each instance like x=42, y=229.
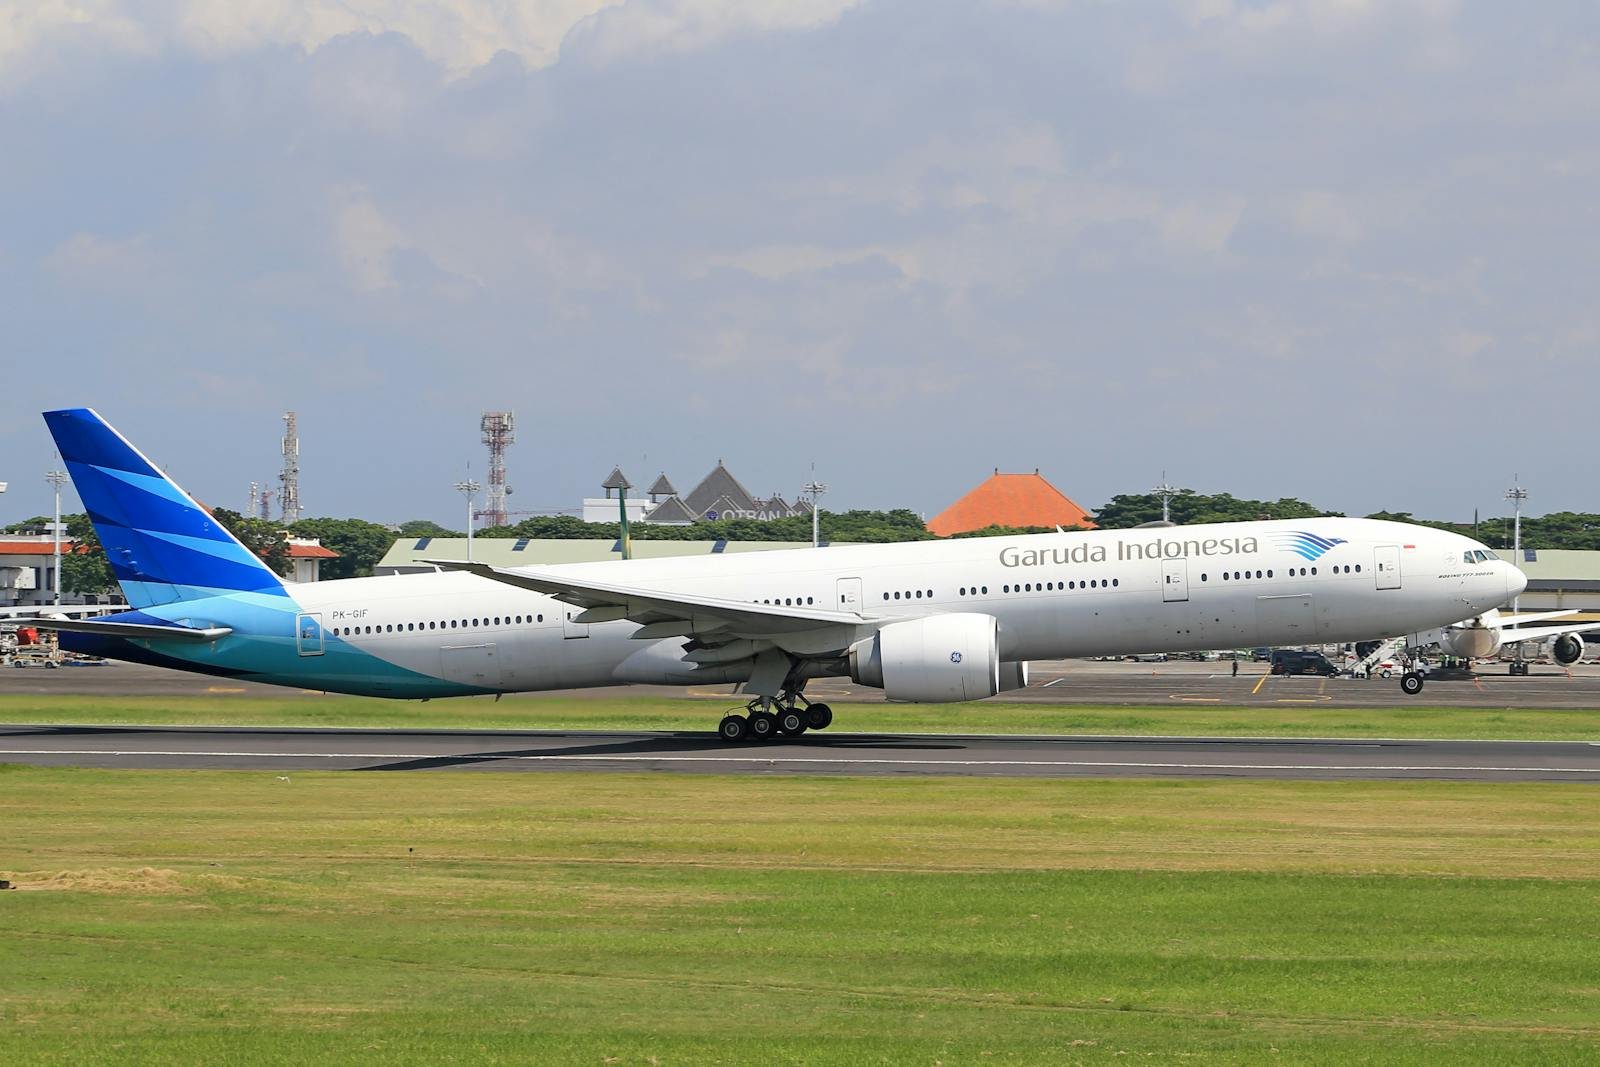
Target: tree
x=85, y=570
x=261, y=536
x=360, y=544
x=1187, y=507
x=426, y=528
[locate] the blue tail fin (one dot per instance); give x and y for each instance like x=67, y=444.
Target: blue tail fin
x=162, y=546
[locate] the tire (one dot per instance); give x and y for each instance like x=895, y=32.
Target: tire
x=792, y=722
x=763, y=726
x=819, y=716
x=734, y=728
x=1411, y=683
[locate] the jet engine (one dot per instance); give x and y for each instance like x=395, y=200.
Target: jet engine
x=936, y=659
x=1567, y=649
x=1471, y=642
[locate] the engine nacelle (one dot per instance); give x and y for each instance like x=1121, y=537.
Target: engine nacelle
x=1013, y=675
x=1567, y=649
x=934, y=660
x=1471, y=642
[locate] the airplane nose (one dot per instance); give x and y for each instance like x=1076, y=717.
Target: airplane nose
x=1516, y=582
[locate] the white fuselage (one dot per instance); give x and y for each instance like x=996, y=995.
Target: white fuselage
x=1054, y=596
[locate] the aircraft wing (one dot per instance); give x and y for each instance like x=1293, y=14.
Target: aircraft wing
x=1542, y=633
x=146, y=631
x=1533, y=616
x=607, y=602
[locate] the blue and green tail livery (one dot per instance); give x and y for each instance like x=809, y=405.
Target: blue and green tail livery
x=161, y=545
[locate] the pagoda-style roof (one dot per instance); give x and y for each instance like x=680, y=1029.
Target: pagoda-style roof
x=662, y=487
x=1010, y=500
x=716, y=486
x=618, y=480
x=672, y=511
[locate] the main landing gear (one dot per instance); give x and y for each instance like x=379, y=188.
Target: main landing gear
x=765, y=718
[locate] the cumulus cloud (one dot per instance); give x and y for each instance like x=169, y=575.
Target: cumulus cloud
x=1039, y=226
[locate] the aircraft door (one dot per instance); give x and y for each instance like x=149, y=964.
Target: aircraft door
x=849, y=598
x=308, y=633
x=1386, y=566
x=471, y=665
x=1174, y=580
x=570, y=629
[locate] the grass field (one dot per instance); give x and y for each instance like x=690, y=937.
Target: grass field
x=532, y=918
x=655, y=713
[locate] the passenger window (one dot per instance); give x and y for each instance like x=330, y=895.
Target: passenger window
x=1313, y=571
x=1358, y=568
x=1116, y=581
x=1269, y=573
x=986, y=590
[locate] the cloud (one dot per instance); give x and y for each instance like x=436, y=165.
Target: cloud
x=892, y=228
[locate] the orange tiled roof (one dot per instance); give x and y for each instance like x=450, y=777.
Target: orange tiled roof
x=39, y=548
x=1010, y=500
x=311, y=552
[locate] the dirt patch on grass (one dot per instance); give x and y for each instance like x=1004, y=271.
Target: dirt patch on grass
x=143, y=880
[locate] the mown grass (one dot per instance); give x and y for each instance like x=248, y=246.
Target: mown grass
x=483, y=917
x=626, y=713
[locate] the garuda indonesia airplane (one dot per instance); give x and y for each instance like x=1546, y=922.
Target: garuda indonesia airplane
x=924, y=621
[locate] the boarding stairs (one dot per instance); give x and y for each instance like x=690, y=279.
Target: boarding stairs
x=1384, y=651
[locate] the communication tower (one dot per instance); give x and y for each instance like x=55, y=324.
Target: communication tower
x=255, y=500
x=498, y=434
x=289, y=479
x=266, y=502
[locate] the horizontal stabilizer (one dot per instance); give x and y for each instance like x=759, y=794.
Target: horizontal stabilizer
x=144, y=631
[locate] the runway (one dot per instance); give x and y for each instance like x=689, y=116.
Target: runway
x=289, y=750
x=1062, y=682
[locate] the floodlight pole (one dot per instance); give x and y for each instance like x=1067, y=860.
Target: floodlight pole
x=470, y=489
x=1166, y=492
x=55, y=478
x=623, y=538
x=816, y=489
x=1516, y=494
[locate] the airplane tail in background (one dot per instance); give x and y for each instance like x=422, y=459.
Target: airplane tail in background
x=162, y=546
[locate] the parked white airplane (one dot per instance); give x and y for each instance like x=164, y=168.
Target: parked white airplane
x=1484, y=635
x=924, y=621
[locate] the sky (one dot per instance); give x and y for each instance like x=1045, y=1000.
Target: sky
x=1344, y=250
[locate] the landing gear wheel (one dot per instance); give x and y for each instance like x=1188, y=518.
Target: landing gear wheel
x=1411, y=683
x=792, y=721
x=734, y=728
x=763, y=725
x=819, y=716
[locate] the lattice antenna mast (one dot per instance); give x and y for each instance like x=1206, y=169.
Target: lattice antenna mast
x=255, y=500
x=499, y=434
x=289, y=491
